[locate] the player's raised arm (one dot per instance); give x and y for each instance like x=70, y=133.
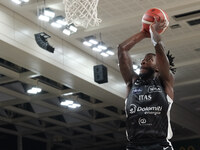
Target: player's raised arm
x=125, y=62
x=161, y=58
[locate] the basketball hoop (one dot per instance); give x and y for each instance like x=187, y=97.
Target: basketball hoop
x=82, y=12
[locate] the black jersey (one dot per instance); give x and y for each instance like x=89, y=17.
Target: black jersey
x=148, y=112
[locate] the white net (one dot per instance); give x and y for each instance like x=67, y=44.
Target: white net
x=82, y=12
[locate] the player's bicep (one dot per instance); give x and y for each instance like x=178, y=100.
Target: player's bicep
x=169, y=84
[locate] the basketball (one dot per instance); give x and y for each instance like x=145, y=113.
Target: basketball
x=148, y=18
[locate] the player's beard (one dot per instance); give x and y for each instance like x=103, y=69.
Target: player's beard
x=150, y=72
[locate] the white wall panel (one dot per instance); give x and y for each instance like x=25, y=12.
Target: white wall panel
x=20, y=33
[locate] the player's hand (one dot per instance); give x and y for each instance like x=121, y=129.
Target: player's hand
x=158, y=25
x=154, y=29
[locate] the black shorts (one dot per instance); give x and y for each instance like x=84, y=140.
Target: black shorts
x=165, y=145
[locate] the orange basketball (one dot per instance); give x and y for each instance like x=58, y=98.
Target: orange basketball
x=148, y=18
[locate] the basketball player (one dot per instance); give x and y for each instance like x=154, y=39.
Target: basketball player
x=150, y=94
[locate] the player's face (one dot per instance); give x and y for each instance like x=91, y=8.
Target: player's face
x=148, y=64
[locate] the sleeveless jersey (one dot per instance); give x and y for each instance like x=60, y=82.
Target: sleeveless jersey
x=148, y=112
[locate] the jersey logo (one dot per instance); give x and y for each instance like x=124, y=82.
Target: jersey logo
x=143, y=122
x=133, y=108
x=145, y=97
x=153, y=89
x=156, y=110
x=150, y=110
x=137, y=90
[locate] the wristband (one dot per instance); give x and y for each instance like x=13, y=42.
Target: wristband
x=152, y=39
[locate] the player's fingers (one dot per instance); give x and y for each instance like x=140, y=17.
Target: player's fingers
x=155, y=19
x=164, y=24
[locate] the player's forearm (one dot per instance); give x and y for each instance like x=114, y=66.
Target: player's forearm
x=125, y=62
x=160, y=53
x=161, y=58
x=162, y=61
x=130, y=42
